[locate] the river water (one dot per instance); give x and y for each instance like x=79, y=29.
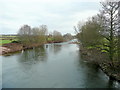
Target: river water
x=52, y=66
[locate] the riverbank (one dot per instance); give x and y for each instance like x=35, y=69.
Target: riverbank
x=100, y=59
x=15, y=47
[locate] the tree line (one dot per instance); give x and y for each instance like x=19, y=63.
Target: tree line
x=40, y=35
x=102, y=31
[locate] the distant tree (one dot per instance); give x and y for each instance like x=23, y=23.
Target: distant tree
x=43, y=33
x=28, y=36
x=78, y=29
x=68, y=37
x=24, y=34
x=57, y=36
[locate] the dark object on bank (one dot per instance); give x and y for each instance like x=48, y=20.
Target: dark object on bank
x=14, y=42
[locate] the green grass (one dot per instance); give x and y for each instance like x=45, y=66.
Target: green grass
x=4, y=42
x=4, y=39
x=50, y=39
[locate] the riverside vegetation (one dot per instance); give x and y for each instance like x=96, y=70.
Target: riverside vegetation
x=100, y=39
x=28, y=37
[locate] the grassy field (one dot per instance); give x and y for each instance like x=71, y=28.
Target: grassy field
x=4, y=39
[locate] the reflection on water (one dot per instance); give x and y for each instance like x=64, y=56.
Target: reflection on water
x=33, y=55
x=52, y=66
x=53, y=48
x=57, y=48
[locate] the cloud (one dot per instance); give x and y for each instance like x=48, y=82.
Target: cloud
x=83, y=16
x=59, y=15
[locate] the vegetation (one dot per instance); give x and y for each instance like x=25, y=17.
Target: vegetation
x=57, y=36
x=36, y=35
x=89, y=33
x=39, y=35
x=101, y=32
x=28, y=35
x=68, y=37
x=4, y=39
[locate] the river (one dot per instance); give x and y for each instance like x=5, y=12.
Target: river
x=52, y=66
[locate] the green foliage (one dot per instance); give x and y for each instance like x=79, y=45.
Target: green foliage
x=37, y=35
x=50, y=39
x=90, y=33
x=102, y=33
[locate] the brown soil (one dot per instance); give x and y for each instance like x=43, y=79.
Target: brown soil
x=14, y=47
x=11, y=47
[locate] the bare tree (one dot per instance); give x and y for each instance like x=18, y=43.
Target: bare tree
x=109, y=17
x=68, y=37
x=35, y=35
x=119, y=31
x=57, y=36
x=24, y=34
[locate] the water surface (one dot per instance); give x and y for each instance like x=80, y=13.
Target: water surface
x=52, y=66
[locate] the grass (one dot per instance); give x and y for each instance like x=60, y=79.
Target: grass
x=50, y=39
x=5, y=42
x=4, y=39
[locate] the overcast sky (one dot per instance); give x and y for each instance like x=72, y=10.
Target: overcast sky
x=60, y=15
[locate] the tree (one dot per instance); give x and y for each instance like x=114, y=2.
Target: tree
x=24, y=34
x=36, y=35
x=68, y=37
x=57, y=36
x=43, y=33
x=109, y=17
x=118, y=31
x=88, y=33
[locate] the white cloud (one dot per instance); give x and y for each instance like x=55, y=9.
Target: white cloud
x=83, y=16
x=59, y=15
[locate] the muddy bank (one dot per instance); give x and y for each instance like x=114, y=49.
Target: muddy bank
x=14, y=47
x=74, y=43
x=101, y=59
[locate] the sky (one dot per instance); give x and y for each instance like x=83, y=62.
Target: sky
x=60, y=15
